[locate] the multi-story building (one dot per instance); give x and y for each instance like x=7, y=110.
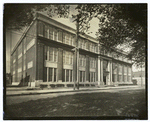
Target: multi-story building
x=45, y=54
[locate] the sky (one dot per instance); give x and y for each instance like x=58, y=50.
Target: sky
x=16, y=35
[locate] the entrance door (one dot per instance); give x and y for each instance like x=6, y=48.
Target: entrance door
x=104, y=79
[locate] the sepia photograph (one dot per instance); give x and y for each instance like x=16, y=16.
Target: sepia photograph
x=75, y=61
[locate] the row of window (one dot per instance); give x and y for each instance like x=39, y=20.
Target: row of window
x=114, y=55
x=19, y=70
x=50, y=75
x=52, y=33
x=120, y=69
x=51, y=54
x=121, y=78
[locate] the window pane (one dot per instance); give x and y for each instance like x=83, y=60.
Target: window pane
x=67, y=75
x=55, y=35
x=50, y=74
x=64, y=57
x=46, y=52
x=83, y=76
x=51, y=33
x=70, y=75
x=60, y=36
x=93, y=76
x=55, y=55
x=80, y=76
x=55, y=76
x=50, y=53
x=40, y=29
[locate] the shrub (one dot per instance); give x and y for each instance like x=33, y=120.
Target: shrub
x=134, y=82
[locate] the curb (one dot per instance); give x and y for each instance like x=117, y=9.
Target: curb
x=106, y=88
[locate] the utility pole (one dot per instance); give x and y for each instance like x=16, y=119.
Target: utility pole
x=76, y=73
x=77, y=47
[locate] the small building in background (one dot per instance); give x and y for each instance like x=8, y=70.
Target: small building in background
x=139, y=76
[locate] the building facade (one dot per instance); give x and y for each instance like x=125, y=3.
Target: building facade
x=45, y=54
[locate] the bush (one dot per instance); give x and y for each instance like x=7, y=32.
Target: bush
x=60, y=85
x=134, y=82
x=43, y=86
x=70, y=85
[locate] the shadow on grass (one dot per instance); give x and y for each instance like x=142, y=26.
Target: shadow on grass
x=127, y=104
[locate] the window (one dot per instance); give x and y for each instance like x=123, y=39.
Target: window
x=30, y=64
x=92, y=77
x=82, y=60
x=82, y=76
x=114, y=68
x=50, y=74
x=55, y=53
x=129, y=70
x=125, y=78
x=129, y=78
x=67, y=75
x=20, y=69
x=30, y=44
x=120, y=78
x=86, y=45
x=20, y=55
x=67, y=57
x=51, y=54
x=46, y=34
x=46, y=52
x=92, y=62
x=55, y=35
x=24, y=46
x=67, y=38
x=55, y=74
x=51, y=33
x=114, y=77
x=125, y=70
x=40, y=28
x=60, y=36
x=71, y=76
x=120, y=69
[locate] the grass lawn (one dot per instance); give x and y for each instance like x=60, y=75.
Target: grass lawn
x=128, y=103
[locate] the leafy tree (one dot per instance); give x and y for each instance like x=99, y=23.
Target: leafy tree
x=17, y=16
x=119, y=24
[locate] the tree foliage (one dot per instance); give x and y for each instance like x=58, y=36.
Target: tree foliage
x=17, y=16
x=119, y=24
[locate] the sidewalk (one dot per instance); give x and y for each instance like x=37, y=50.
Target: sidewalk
x=27, y=91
